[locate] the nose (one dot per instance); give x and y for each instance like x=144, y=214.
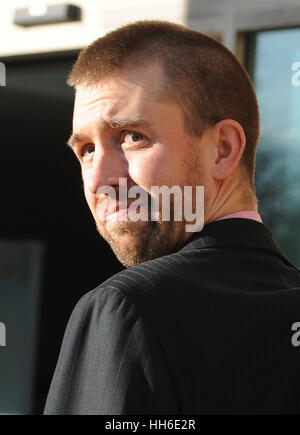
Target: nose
x=106, y=169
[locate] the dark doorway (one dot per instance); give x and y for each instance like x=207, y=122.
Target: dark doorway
x=42, y=200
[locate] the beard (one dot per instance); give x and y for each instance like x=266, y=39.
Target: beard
x=134, y=242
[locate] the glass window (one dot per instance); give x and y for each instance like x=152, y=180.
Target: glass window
x=274, y=63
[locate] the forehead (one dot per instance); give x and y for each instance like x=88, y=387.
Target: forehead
x=131, y=92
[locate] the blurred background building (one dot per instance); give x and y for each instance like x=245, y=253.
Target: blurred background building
x=50, y=254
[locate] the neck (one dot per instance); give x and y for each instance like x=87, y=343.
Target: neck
x=228, y=200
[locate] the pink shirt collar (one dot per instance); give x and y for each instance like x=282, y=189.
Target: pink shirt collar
x=246, y=214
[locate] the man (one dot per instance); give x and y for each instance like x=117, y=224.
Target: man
x=201, y=321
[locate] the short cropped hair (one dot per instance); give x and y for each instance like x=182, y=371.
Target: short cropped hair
x=202, y=75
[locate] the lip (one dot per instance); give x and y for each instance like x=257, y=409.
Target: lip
x=117, y=214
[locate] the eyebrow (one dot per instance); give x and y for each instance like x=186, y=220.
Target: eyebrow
x=75, y=138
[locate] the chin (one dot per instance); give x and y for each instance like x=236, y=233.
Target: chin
x=136, y=242
x=131, y=253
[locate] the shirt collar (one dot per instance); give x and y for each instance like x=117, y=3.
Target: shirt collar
x=246, y=214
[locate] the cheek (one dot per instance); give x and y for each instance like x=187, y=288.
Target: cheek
x=90, y=198
x=141, y=172
x=155, y=170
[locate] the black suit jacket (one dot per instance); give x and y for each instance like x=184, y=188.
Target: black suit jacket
x=207, y=329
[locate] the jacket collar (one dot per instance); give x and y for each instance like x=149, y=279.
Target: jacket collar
x=233, y=233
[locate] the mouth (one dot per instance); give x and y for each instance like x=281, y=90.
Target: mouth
x=123, y=212
x=118, y=214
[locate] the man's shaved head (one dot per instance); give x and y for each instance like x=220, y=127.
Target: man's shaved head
x=202, y=75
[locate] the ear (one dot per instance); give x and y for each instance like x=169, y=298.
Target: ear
x=229, y=144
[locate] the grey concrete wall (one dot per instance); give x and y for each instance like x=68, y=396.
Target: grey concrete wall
x=229, y=17
x=226, y=17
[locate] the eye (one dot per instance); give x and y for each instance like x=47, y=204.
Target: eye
x=86, y=150
x=134, y=138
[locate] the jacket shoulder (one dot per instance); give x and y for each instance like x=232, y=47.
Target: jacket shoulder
x=144, y=285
